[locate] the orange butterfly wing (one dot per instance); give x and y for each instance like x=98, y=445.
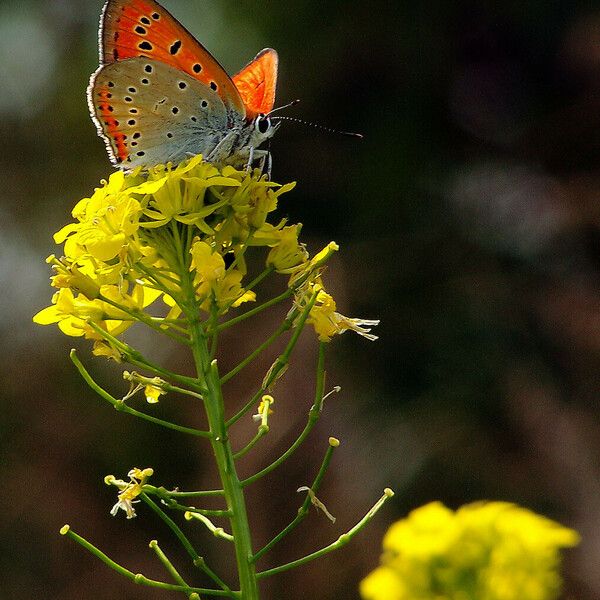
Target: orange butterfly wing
x=256, y=83
x=143, y=28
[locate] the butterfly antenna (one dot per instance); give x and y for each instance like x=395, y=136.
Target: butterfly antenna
x=292, y=103
x=321, y=127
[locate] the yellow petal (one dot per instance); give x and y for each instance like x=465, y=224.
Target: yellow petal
x=47, y=316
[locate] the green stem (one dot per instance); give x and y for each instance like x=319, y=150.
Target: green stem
x=208, y=375
x=169, y=566
x=257, y=310
x=134, y=357
x=214, y=319
x=196, y=558
x=313, y=416
x=122, y=407
x=259, y=278
x=278, y=367
x=262, y=431
x=273, y=338
x=247, y=407
x=138, y=315
x=165, y=494
x=339, y=543
x=216, y=531
x=138, y=577
x=283, y=296
x=252, y=284
x=201, y=511
x=303, y=510
x=164, y=385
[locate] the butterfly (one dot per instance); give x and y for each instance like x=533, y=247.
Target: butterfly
x=159, y=96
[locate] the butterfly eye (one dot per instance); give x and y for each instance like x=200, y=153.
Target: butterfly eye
x=263, y=124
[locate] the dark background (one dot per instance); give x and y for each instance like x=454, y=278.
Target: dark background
x=468, y=219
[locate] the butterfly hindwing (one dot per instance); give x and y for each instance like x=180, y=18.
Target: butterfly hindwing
x=257, y=81
x=143, y=28
x=149, y=112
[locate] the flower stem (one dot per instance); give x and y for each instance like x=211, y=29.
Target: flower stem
x=287, y=324
x=169, y=566
x=122, y=407
x=313, y=416
x=278, y=367
x=341, y=541
x=262, y=431
x=303, y=510
x=138, y=577
x=166, y=495
x=196, y=558
x=208, y=376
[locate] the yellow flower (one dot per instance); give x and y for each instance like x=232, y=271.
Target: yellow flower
x=227, y=291
x=73, y=313
x=154, y=392
x=324, y=318
x=180, y=194
x=70, y=313
x=70, y=275
x=483, y=551
x=214, y=281
x=130, y=490
x=255, y=198
x=209, y=265
x=139, y=235
x=287, y=253
x=264, y=409
x=310, y=271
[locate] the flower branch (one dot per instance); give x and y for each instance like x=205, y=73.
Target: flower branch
x=122, y=407
x=344, y=539
x=313, y=416
x=303, y=510
x=138, y=577
x=197, y=560
x=168, y=564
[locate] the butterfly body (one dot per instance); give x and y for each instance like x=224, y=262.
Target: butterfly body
x=159, y=96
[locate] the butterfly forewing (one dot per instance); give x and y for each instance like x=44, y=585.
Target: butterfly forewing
x=257, y=81
x=143, y=28
x=149, y=112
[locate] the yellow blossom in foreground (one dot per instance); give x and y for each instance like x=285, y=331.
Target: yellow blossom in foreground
x=483, y=551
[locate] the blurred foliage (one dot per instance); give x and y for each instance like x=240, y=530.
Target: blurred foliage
x=469, y=223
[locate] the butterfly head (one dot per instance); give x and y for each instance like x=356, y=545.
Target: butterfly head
x=262, y=129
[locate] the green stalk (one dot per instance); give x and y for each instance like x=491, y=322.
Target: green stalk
x=344, y=539
x=208, y=374
x=208, y=378
x=303, y=510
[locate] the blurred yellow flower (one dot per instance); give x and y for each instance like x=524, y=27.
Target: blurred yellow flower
x=483, y=551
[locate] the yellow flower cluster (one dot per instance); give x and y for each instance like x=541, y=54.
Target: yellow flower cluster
x=174, y=233
x=483, y=551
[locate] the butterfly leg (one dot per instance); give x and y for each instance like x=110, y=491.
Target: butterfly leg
x=251, y=152
x=264, y=158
